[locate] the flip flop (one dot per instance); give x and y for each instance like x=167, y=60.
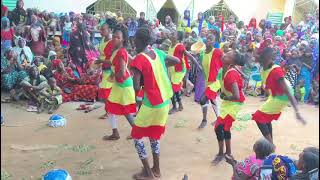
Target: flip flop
x=91, y=108
x=82, y=107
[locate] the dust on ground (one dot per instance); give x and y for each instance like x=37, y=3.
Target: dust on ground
x=29, y=148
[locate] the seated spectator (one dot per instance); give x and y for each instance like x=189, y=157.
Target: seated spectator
x=308, y=164
x=58, y=48
x=315, y=92
x=250, y=167
x=12, y=73
x=31, y=88
x=84, y=88
x=51, y=97
x=23, y=52
x=7, y=35
x=4, y=12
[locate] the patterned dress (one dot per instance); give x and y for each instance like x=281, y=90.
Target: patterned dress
x=13, y=78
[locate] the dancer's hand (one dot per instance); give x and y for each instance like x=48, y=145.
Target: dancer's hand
x=300, y=118
x=222, y=95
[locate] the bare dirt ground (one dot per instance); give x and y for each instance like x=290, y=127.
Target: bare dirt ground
x=79, y=148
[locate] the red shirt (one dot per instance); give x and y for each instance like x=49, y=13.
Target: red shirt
x=4, y=9
x=179, y=53
x=272, y=81
x=7, y=35
x=121, y=54
x=151, y=86
x=233, y=76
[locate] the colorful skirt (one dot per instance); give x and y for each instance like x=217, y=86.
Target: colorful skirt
x=105, y=85
x=271, y=109
x=121, y=100
x=212, y=90
x=150, y=121
x=12, y=79
x=229, y=111
x=177, y=80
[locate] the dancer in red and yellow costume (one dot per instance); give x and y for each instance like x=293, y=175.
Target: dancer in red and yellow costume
x=280, y=94
x=149, y=69
x=232, y=100
x=178, y=72
x=211, y=64
x=121, y=100
x=105, y=49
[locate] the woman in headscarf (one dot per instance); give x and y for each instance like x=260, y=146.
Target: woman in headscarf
x=200, y=22
x=7, y=35
x=74, y=89
x=23, y=52
x=67, y=29
x=185, y=21
x=220, y=23
x=58, y=48
x=12, y=72
x=18, y=15
x=38, y=37
x=79, y=43
x=262, y=25
x=211, y=23
x=252, y=24
x=287, y=25
x=169, y=24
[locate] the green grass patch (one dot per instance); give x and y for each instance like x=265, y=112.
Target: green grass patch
x=5, y=175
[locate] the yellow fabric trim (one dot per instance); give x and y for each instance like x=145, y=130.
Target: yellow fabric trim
x=105, y=83
x=230, y=108
x=273, y=105
x=122, y=95
x=160, y=77
x=148, y=116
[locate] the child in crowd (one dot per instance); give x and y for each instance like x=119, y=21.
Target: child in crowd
x=51, y=97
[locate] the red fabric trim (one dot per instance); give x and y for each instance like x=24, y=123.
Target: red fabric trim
x=118, y=109
x=176, y=87
x=153, y=132
x=263, y=118
x=151, y=87
x=103, y=93
x=215, y=65
x=140, y=93
x=210, y=94
x=226, y=122
x=178, y=52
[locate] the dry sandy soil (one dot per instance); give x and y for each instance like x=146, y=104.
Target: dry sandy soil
x=184, y=149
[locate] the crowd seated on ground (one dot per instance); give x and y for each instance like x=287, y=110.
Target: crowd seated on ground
x=63, y=46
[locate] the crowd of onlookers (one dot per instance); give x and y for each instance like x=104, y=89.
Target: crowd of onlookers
x=48, y=59
x=63, y=47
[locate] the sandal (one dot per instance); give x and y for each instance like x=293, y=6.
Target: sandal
x=83, y=107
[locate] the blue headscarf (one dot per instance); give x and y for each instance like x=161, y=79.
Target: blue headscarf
x=200, y=23
x=189, y=21
x=315, y=55
x=268, y=24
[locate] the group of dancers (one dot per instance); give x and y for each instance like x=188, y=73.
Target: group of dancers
x=141, y=88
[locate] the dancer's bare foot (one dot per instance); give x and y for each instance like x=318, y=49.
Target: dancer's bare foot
x=180, y=107
x=156, y=172
x=173, y=110
x=129, y=137
x=112, y=137
x=143, y=175
x=203, y=124
x=217, y=159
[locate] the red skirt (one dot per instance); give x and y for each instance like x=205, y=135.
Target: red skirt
x=153, y=132
x=118, y=109
x=211, y=95
x=226, y=122
x=103, y=93
x=177, y=87
x=263, y=118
